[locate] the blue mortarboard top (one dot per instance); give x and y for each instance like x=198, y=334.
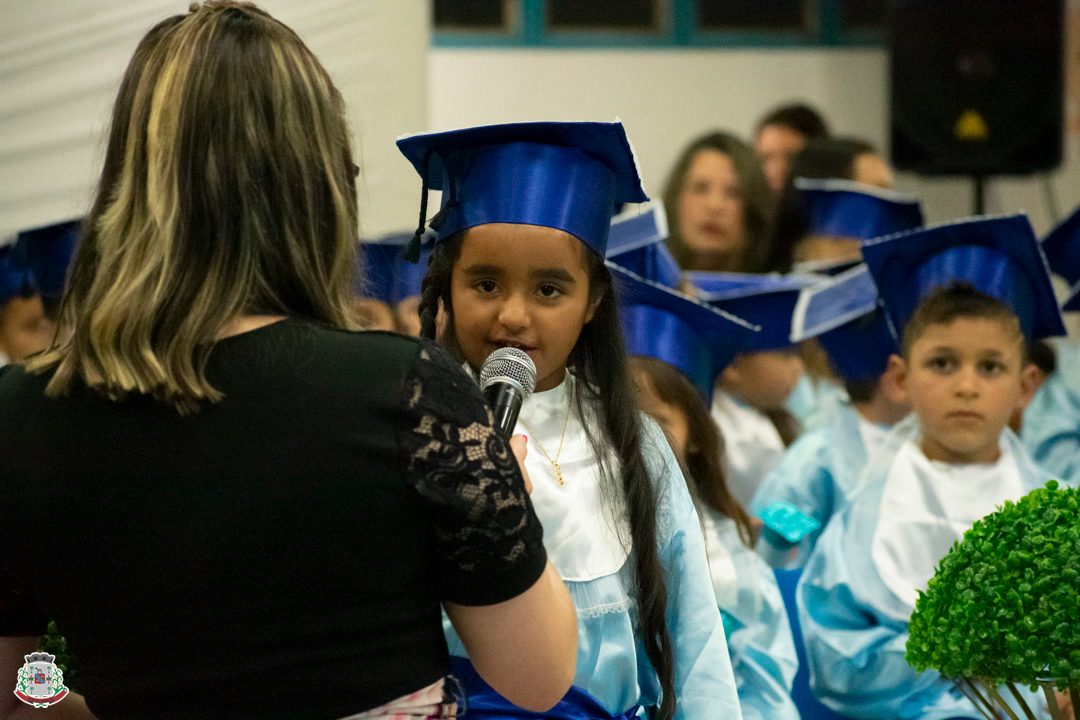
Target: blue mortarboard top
x=564, y=175
x=46, y=252
x=638, y=243
x=1062, y=248
x=845, y=316
x=386, y=274
x=765, y=300
x=842, y=208
x=696, y=339
x=998, y=256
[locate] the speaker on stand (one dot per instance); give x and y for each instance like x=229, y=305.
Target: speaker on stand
x=976, y=87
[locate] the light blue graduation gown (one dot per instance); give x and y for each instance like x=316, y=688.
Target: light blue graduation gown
x=1051, y=426
x=759, y=635
x=612, y=665
x=854, y=622
x=814, y=400
x=817, y=474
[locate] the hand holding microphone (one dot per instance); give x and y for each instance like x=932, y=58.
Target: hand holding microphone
x=507, y=379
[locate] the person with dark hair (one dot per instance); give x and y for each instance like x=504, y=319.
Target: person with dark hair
x=24, y=328
x=965, y=296
x=677, y=346
x=248, y=490
x=823, y=159
x=781, y=134
x=719, y=206
x=518, y=262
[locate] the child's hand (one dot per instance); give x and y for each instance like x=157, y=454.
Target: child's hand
x=519, y=444
x=1064, y=703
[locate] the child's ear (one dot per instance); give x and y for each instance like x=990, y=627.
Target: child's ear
x=731, y=375
x=593, y=305
x=1031, y=377
x=894, y=381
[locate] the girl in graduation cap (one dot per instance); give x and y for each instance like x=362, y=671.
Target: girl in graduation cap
x=678, y=346
x=518, y=262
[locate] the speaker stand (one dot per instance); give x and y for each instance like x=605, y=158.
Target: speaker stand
x=979, y=182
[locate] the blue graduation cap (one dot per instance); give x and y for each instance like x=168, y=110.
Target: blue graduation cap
x=638, y=243
x=765, y=300
x=845, y=316
x=563, y=175
x=1062, y=249
x=684, y=332
x=385, y=272
x=998, y=256
x=15, y=279
x=843, y=208
x=45, y=253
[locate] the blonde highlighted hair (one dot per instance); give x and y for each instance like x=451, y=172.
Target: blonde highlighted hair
x=228, y=189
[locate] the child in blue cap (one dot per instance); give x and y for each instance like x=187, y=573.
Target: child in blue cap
x=678, y=345
x=519, y=262
x=819, y=471
x=964, y=296
x=753, y=388
x=1051, y=423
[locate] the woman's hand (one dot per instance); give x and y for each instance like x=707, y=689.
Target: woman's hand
x=519, y=444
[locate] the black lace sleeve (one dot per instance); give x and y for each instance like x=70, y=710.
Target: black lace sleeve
x=489, y=539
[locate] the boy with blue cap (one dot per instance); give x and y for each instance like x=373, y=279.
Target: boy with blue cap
x=964, y=296
x=748, y=405
x=818, y=473
x=518, y=261
x=839, y=216
x=1051, y=424
x=678, y=345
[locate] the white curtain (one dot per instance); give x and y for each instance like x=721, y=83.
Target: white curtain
x=61, y=63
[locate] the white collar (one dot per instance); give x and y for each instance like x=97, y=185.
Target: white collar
x=752, y=445
x=585, y=536
x=927, y=505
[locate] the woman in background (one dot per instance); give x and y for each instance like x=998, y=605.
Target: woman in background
x=719, y=206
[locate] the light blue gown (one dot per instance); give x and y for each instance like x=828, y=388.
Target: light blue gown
x=1051, y=427
x=817, y=474
x=612, y=666
x=813, y=401
x=853, y=617
x=758, y=634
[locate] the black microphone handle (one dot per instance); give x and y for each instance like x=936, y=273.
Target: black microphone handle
x=505, y=401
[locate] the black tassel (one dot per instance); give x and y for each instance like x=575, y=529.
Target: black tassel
x=412, y=252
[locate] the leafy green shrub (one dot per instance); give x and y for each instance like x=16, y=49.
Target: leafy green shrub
x=1003, y=607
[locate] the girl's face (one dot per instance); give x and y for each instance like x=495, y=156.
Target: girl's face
x=24, y=329
x=667, y=415
x=711, y=220
x=764, y=379
x=521, y=286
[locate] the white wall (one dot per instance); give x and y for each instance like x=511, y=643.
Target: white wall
x=61, y=63
x=666, y=97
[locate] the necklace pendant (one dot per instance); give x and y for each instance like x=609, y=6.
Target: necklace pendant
x=558, y=473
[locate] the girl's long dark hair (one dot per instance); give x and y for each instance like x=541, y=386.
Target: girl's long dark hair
x=600, y=365
x=705, y=444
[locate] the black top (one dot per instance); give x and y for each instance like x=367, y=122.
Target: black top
x=281, y=553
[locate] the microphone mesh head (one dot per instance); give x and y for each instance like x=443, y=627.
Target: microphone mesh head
x=509, y=364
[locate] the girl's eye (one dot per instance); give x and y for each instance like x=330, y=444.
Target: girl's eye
x=549, y=291
x=991, y=367
x=485, y=286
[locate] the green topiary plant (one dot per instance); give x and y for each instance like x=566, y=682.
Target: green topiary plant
x=1003, y=609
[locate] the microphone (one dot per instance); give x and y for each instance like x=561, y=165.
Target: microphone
x=507, y=379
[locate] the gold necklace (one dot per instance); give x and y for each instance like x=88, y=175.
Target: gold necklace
x=562, y=439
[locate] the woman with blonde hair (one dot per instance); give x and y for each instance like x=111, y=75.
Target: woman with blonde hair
x=254, y=510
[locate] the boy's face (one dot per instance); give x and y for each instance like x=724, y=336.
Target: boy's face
x=964, y=379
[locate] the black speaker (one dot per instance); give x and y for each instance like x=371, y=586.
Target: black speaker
x=976, y=86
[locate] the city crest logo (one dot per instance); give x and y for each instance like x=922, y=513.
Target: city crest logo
x=40, y=682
